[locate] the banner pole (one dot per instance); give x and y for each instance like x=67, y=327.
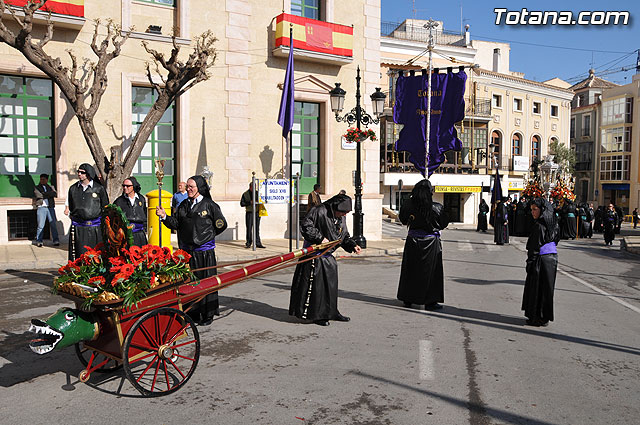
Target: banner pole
x=431, y=24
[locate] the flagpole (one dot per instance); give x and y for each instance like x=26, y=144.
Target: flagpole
x=431, y=24
x=290, y=159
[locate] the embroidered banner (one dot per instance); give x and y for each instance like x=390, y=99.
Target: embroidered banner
x=315, y=36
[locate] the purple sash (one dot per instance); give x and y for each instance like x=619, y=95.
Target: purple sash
x=89, y=223
x=206, y=246
x=418, y=233
x=137, y=227
x=549, y=248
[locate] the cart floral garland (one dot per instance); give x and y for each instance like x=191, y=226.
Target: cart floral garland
x=120, y=270
x=354, y=134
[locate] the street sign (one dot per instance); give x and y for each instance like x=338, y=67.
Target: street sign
x=274, y=191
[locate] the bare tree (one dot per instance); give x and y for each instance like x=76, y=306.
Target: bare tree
x=85, y=92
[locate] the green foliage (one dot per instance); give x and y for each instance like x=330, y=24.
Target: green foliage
x=564, y=157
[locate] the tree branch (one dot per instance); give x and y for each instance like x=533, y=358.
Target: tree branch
x=49, y=34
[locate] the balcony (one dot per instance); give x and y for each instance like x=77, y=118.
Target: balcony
x=314, y=41
x=64, y=13
x=481, y=108
x=416, y=32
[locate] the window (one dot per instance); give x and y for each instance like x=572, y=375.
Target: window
x=584, y=155
x=516, y=144
x=517, y=105
x=586, y=125
x=614, y=167
x=306, y=9
x=495, y=148
x=616, y=139
x=537, y=108
x=617, y=111
x=535, y=147
x=162, y=2
x=161, y=143
x=497, y=101
x=479, y=141
x=572, y=128
x=306, y=144
x=554, y=110
x=26, y=129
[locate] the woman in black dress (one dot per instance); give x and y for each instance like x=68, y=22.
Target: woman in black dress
x=542, y=264
x=134, y=206
x=422, y=274
x=610, y=221
x=482, y=216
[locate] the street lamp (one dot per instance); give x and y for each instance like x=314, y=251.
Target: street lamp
x=359, y=117
x=548, y=171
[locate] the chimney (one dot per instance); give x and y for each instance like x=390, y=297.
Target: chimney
x=496, y=60
x=467, y=36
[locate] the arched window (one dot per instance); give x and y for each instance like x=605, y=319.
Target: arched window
x=535, y=147
x=494, y=148
x=516, y=144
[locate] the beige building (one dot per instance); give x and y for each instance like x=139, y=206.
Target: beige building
x=227, y=123
x=619, y=154
x=509, y=120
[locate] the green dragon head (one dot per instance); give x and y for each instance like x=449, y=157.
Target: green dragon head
x=63, y=328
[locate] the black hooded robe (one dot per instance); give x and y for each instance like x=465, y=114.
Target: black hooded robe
x=482, y=217
x=422, y=273
x=85, y=211
x=136, y=213
x=520, y=226
x=537, y=300
x=197, y=228
x=314, y=289
x=569, y=224
x=609, y=222
x=500, y=227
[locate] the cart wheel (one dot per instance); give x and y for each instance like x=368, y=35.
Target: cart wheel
x=84, y=354
x=84, y=376
x=161, y=351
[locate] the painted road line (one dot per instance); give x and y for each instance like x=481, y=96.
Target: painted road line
x=600, y=291
x=491, y=246
x=465, y=245
x=425, y=359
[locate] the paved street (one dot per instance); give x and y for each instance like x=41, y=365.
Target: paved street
x=472, y=362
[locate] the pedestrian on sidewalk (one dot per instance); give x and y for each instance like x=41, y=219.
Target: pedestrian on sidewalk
x=610, y=221
x=198, y=221
x=250, y=215
x=45, y=204
x=84, y=205
x=482, y=216
x=178, y=197
x=314, y=197
x=314, y=290
x=422, y=273
x=134, y=206
x=635, y=218
x=542, y=264
x=501, y=223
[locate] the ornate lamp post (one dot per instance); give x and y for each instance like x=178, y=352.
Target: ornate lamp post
x=359, y=117
x=548, y=171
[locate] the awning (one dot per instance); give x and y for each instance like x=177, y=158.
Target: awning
x=615, y=186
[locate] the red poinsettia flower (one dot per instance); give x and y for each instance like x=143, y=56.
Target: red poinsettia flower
x=97, y=281
x=135, y=253
x=154, y=253
x=181, y=256
x=117, y=261
x=127, y=269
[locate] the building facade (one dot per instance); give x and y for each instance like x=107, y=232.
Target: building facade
x=227, y=123
x=509, y=120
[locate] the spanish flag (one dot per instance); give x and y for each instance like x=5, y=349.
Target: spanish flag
x=63, y=7
x=315, y=36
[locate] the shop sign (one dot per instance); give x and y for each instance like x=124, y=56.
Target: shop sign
x=520, y=163
x=458, y=189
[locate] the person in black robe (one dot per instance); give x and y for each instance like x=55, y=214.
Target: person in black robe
x=314, y=289
x=542, y=264
x=520, y=227
x=598, y=225
x=134, y=206
x=511, y=214
x=422, y=273
x=568, y=224
x=85, y=202
x=620, y=214
x=501, y=223
x=198, y=221
x=590, y=217
x=482, y=216
x=609, y=222
x=584, y=221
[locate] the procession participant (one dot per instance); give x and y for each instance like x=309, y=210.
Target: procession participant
x=198, y=220
x=45, y=204
x=609, y=221
x=520, y=226
x=584, y=223
x=568, y=225
x=314, y=290
x=500, y=223
x=482, y=216
x=590, y=217
x=134, y=206
x=635, y=216
x=247, y=202
x=598, y=224
x=511, y=214
x=542, y=264
x=620, y=214
x=422, y=273
x=84, y=205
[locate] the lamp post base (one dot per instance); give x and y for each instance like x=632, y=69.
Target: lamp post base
x=360, y=241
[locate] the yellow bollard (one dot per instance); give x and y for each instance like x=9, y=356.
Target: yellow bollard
x=153, y=221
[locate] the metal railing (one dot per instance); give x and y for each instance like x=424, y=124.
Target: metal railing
x=407, y=31
x=480, y=108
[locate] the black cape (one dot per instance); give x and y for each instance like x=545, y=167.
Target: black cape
x=500, y=228
x=136, y=214
x=197, y=226
x=537, y=300
x=422, y=273
x=521, y=227
x=569, y=224
x=314, y=289
x=609, y=222
x=482, y=217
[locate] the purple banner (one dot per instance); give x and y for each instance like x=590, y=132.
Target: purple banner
x=447, y=108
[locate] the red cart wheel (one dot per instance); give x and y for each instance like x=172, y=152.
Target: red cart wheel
x=84, y=354
x=161, y=351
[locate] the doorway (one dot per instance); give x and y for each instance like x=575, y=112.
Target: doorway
x=452, y=206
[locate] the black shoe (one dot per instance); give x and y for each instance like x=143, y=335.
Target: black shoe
x=39, y=244
x=56, y=243
x=407, y=305
x=321, y=322
x=205, y=322
x=533, y=322
x=260, y=246
x=433, y=306
x=341, y=318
